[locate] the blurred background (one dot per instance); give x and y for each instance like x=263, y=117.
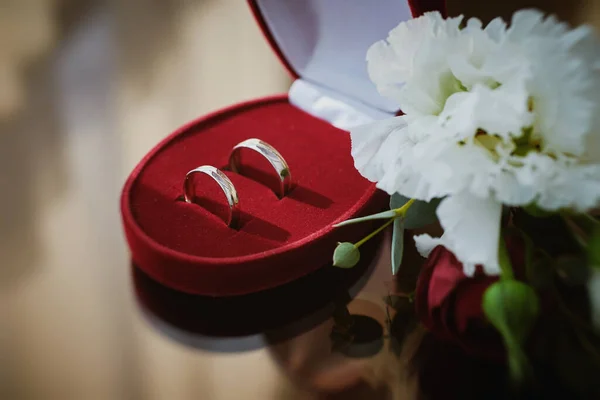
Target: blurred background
x=87, y=87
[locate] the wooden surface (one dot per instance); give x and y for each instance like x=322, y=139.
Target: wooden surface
x=119, y=77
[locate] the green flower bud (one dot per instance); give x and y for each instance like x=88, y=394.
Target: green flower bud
x=346, y=255
x=512, y=307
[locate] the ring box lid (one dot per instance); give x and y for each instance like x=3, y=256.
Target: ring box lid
x=324, y=42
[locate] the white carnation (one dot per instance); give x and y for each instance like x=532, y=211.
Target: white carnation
x=493, y=116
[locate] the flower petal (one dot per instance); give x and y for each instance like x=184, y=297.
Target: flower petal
x=446, y=276
x=472, y=229
x=387, y=74
x=415, y=51
x=425, y=245
x=529, y=22
x=388, y=152
x=554, y=183
x=376, y=147
x=502, y=111
x=469, y=58
x=496, y=29
x=567, y=108
x=444, y=168
x=509, y=192
x=391, y=62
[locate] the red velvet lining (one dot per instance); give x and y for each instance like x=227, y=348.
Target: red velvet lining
x=279, y=239
x=327, y=184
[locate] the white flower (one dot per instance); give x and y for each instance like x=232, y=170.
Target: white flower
x=495, y=116
x=416, y=55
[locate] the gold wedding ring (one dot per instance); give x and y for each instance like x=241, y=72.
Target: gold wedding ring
x=271, y=154
x=223, y=182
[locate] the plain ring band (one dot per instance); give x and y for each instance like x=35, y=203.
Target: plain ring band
x=225, y=184
x=271, y=154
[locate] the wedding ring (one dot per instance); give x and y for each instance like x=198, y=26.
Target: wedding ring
x=225, y=184
x=268, y=152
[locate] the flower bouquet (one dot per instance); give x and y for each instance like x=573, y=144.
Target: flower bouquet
x=499, y=143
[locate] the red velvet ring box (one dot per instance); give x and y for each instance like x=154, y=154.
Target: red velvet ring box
x=188, y=246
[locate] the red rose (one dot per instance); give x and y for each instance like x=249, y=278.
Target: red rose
x=448, y=302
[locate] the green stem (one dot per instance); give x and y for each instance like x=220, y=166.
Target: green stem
x=581, y=328
x=529, y=253
x=591, y=219
x=504, y=260
x=580, y=227
x=518, y=364
x=375, y=232
x=586, y=220
x=401, y=211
